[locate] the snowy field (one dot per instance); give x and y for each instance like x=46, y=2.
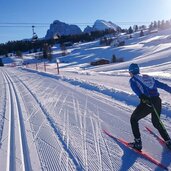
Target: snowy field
x=55, y=122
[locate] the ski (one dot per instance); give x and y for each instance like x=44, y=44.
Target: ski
x=141, y=153
x=160, y=140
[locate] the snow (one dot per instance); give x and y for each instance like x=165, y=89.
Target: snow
x=102, y=25
x=55, y=122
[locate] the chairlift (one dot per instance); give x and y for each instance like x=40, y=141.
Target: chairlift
x=34, y=37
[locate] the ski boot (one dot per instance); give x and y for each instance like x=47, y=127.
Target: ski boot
x=168, y=144
x=137, y=144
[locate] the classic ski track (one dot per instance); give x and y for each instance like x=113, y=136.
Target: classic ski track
x=53, y=125
x=12, y=132
x=4, y=98
x=83, y=133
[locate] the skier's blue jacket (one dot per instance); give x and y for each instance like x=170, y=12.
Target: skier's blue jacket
x=147, y=85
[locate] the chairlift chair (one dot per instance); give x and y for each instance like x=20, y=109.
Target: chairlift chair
x=34, y=37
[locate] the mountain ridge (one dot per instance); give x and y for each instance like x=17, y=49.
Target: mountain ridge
x=58, y=28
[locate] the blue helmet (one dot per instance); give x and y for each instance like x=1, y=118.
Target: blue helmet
x=134, y=69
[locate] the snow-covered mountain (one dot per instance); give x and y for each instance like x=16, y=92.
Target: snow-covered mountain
x=61, y=28
x=101, y=25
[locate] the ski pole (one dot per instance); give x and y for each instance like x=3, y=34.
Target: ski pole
x=157, y=114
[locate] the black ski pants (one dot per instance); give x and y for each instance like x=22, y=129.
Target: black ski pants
x=142, y=110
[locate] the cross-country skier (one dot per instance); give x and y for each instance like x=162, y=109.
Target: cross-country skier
x=145, y=87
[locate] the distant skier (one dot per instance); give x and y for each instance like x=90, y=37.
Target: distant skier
x=145, y=87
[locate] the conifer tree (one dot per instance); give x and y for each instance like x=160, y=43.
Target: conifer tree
x=130, y=30
x=141, y=33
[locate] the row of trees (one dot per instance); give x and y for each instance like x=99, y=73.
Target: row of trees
x=86, y=37
x=160, y=25
x=153, y=25
x=23, y=46
x=41, y=45
x=130, y=31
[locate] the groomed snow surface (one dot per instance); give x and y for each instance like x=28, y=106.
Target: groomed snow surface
x=55, y=122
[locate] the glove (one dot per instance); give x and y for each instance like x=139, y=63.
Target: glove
x=145, y=99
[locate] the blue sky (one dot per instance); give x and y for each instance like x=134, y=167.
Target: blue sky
x=81, y=12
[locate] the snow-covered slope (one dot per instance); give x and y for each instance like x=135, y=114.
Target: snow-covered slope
x=146, y=51
x=59, y=118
